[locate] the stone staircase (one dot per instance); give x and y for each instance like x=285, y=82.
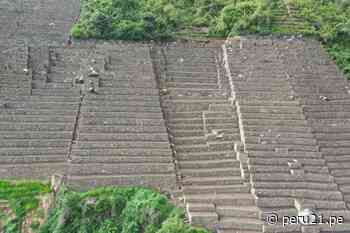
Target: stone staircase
x=325, y=103
x=121, y=138
x=203, y=130
x=15, y=72
x=38, y=22
x=288, y=171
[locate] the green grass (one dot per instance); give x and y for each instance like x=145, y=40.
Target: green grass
x=115, y=210
x=174, y=19
x=22, y=198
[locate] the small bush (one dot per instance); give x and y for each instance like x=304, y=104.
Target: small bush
x=112, y=210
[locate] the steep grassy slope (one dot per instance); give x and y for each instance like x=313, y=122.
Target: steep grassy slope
x=22, y=198
x=327, y=21
x=112, y=210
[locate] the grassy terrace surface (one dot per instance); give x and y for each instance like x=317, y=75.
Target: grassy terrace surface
x=22, y=198
x=104, y=210
x=115, y=210
x=326, y=20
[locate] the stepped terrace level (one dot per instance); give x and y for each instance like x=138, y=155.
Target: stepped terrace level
x=89, y=111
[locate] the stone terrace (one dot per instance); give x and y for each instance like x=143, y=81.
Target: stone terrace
x=121, y=136
x=289, y=169
x=36, y=21
x=203, y=129
x=323, y=93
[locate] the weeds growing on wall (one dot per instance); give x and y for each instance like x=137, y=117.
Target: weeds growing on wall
x=22, y=198
x=115, y=210
x=326, y=20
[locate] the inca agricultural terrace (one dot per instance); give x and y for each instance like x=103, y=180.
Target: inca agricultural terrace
x=234, y=130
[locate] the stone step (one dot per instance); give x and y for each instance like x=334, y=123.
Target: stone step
x=28, y=159
x=8, y=143
x=250, y=212
x=222, y=155
x=301, y=193
x=186, y=133
x=118, y=121
x=227, y=180
x=310, y=177
x=210, y=172
x=241, y=224
x=121, y=129
x=120, y=169
x=126, y=108
x=203, y=85
x=274, y=116
x=181, y=79
x=122, y=152
x=33, y=99
x=222, y=199
x=337, y=158
x=163, y=181
x=270, y=133
x=326, y=108
x=121, y=159
x=296, y=186
x=36, y=171
x=56, y=92
x=128, y=91
x=202, y=101
x=121, y=98
x=200, y=207
x=272, y=147
x=198, y=91
x=126, y=114
x=37, y=127
x=189, y=140
x=159, y=137
x=120, y=144
x=5, y=135
x=263, y=95
x=279, y=129
x=271, y=109
x=215, y=189
x=220, y=114
x=284, y=161
x=335, y=144
x=35, y=118
x=281, y=140
x=221, y=146
x=125, y=102
x=191, y=148
x=266, y=88
x=202, y=219
x=188, y=126
x=338, y=128
x=274, y=122
x=115, y=83
x=290, y=154
x=203, y=164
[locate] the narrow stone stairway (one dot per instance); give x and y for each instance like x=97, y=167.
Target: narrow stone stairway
x=203, y=129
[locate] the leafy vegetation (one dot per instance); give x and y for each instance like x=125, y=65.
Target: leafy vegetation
x=326, y=20
x=22, y=198
x=115, y=210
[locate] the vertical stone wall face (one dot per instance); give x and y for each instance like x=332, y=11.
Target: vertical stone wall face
x=289, y=169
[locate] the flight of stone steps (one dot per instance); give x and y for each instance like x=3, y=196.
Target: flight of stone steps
x=121, y=136
x=15, y=73
x=36, y=130
x=36, y=21
x=288, y=171
x=203, y=130
x=324, y=94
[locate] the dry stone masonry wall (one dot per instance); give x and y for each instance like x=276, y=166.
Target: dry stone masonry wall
x=203, y=129
x=289, y=171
